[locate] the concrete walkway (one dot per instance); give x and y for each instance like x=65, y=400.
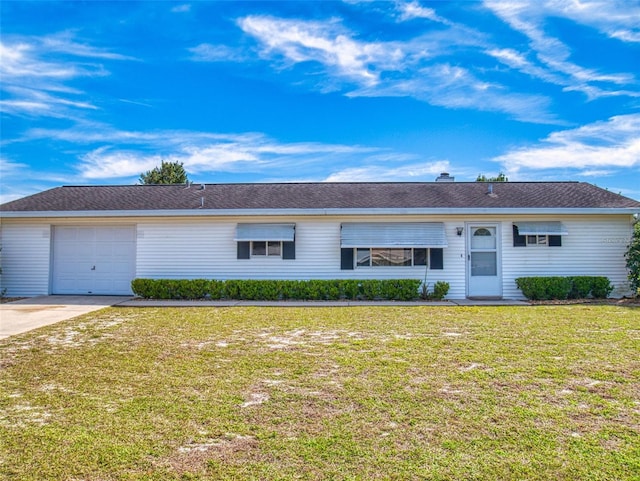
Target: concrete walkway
x=28, y=314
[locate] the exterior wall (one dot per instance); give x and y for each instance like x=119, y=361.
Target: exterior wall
x=204, y=247
x=193, y=249
x=594, y=246
x=25, y=258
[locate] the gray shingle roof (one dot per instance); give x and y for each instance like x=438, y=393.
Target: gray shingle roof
x=372, y=195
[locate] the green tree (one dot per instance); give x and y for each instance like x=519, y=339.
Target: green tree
x=633, y=258
x=499, y=178
x=167, y=173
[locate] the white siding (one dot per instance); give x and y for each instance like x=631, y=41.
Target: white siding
x=25, y=259
x=206, y=249
x=594, y=246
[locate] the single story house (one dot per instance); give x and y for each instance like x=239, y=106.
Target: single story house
x=479, y=237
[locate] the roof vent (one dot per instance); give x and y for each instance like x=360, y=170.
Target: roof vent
x=445, y=177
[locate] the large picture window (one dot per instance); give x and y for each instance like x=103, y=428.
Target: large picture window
x=389, y=257
x=394, y=244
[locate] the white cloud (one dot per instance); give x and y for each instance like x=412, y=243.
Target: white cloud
x=616, y=19
x=395, y=69
x=324, y=42
x=184, y=8
x=600, y=146
x=456, y=87
x=123, y=154
x=552, y=55
x=413, y=10
x=66, y=43
x=206, y=52
x=375, y=173
x=104, y=164
x=36, y=72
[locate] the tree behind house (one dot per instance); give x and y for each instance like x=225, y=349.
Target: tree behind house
x=499, y=178
x=167, y=173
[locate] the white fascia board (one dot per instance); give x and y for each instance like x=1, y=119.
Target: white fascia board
x=317, y=212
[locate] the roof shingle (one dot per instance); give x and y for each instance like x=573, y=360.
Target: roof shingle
x=372, y=195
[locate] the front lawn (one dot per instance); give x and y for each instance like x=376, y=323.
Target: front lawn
x=359, y=393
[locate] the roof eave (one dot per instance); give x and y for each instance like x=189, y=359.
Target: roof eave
x=319, y=212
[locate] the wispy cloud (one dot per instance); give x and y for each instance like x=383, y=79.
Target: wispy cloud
x=413, y=10
x=551, y=60
x=394, y=68
x=183, y=8
x=325, y=42
x=206, y=52
x=377, y=173
x=600, y=146
x=36, y=74
x=457, y=88
x=118, y=154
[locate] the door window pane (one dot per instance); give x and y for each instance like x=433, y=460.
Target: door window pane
x=483, y=238
x=483, y=264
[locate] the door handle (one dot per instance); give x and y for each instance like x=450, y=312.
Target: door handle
x=93, y=268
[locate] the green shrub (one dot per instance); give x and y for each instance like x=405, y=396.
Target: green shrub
x=370, y=289
x=633, y=259
x=580, y=287
x=544, y=288
x=601, y=287
x=440, y=290
x=574, y=287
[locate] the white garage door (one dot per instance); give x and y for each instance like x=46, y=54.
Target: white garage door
x=93, y=260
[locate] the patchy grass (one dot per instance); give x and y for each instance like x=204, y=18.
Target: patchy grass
x=361, y=393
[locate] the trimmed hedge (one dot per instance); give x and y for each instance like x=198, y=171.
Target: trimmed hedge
x=272, y=290
x=573, y=287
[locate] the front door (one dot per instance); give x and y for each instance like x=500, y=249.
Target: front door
x=483, y=261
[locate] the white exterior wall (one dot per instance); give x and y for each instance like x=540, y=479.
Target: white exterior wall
x=204, y=247
x=207, y=249
x=25, y=259
x=594, y=246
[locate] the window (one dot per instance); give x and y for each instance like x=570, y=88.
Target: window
x=266, y=248
x=266, y=240
x=397, y=244
x=547, y=234
x=540, y=240
x=390, y=257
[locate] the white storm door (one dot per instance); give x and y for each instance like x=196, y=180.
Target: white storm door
x=483, y=261
x=93, y=260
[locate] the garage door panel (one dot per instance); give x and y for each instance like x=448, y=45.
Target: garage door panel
x=86, y=234
x=93, y=260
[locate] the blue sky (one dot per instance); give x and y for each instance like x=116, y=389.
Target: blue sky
x=99, y=92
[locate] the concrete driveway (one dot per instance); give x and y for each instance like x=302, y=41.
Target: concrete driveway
x=27, y=314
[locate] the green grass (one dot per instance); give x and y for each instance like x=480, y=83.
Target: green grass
x=361, y=393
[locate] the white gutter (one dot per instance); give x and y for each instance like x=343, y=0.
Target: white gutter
x=319, y=212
